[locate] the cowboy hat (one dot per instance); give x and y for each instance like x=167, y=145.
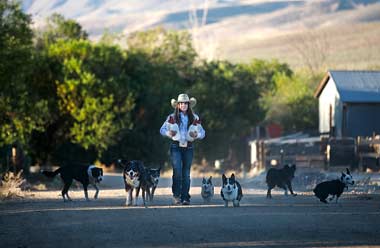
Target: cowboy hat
x=184, y=98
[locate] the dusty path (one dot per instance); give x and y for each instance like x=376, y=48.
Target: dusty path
x=43, y=220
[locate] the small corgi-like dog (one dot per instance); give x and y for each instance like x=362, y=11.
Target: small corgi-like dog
x=194, y=127
x=231, y=191
x=334, y=187
x=207, y=191
x=173, y=126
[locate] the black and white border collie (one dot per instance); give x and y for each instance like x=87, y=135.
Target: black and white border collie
x=135, y=177
x=85, y=174
x=231, y=191
x=334, y=187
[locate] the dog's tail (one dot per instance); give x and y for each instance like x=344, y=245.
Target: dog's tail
x=51, y=173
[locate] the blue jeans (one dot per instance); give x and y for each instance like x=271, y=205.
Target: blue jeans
x=181, y=157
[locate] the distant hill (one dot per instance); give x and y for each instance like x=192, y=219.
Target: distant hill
x=237, y=30
x=346, y=47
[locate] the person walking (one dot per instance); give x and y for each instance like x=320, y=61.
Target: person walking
x=183, y=127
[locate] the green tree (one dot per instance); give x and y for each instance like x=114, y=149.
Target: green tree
x=265, y=72
x=228, y=98
x=170, y=48
x=58, y=27
x=21, y=111
x=292, y=104
x=92, y=92
x=160, y=64
x=110, y=38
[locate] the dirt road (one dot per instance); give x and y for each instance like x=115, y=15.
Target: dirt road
x=44, y=220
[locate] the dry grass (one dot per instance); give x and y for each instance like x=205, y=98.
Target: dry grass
x=347, y=47
x=10, y=186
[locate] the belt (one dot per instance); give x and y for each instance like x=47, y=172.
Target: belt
x=189, y=144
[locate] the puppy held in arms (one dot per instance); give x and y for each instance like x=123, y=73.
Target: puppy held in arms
x=281, y=178
x=173, y=126
x=193, y=128
x=231, y=191
x=334, y=187
x=207, y=191
x=89, y=174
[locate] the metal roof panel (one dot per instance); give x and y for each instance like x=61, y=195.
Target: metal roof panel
x=357, y=86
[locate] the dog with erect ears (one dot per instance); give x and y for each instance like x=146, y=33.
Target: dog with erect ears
x=194, y=127
x=173, y=126
x=231, y=191
x=135, y=178
x=89, y=174
x=207, y=191
x=334, y=188
x=153, y=177
x=281, y=178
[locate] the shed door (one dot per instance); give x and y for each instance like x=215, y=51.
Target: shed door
x=362, y=119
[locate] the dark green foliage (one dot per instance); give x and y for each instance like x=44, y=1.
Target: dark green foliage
x=292, y=104
x=21, y=111
x=228, y=101
x=59, y=28
x=67, y=98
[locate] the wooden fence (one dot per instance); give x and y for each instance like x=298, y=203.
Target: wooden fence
x=362, y=153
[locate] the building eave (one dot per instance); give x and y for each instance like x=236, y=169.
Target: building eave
x=322, y=85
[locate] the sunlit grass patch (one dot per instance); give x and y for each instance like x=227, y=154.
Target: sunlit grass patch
x=10, y=185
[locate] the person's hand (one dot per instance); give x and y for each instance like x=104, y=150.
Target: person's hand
x=172, y=133
x=193, y=134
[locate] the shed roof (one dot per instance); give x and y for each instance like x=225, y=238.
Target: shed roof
x=354, y=86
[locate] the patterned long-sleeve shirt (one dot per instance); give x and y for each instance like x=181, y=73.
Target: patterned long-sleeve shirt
x=183, y=128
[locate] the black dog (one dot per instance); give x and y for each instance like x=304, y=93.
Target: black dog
x=333, y=187
x=84, y=174
x=153, y=179
x=135, y=177
x=281, y=178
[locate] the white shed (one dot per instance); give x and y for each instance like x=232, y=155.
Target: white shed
x=349, y=103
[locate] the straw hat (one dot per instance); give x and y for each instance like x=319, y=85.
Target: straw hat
x=184, y=98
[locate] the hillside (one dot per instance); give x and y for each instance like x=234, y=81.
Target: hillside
x=236, y=30
x=346, y=47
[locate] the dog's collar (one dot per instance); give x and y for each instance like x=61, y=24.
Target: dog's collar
x=89, y=170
